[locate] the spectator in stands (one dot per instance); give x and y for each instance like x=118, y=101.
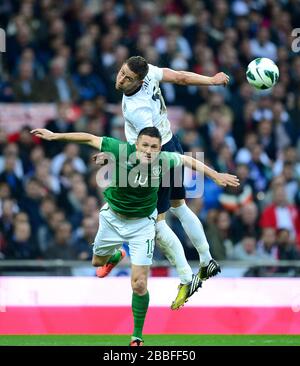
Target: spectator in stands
x=246, y=224
x=87, y=82
x=3, y=139
x=288, y=155
x=243, y=155
x=4, y=193
x=246, y=250
x=85, y=237
x=23, y=244
x=9, y=176
x=280, y=214
x=20, y=38
x=291, y=183
x=187, y=133
x=87, y=112
x=266, y=137
x=46, y=232
x=224, y=161
x=214, y=103
x=58, y=86
x=49, y=181
x=233, y=200
x=287, y=249
x=262, y=46
x=37, y=155
x=6, y=91
x=90, y=206
x=21, y=216
x=259, y=171
x=12, y=149
x=70, y=153
x=8, y=209
x=61, y=247
x=26, y=88
x=61, y=124
x=26, y=142
x=30, y=201
x=267, y=245
x=75, y=200
x=284, y=129
x=219, y=236
x=121, y=54
x=173, y=25
x=47, y=208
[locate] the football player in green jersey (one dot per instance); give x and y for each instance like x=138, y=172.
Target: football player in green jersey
x=130, y=210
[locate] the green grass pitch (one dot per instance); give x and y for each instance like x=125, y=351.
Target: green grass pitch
x=150, y=340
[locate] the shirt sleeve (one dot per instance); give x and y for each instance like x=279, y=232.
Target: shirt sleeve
x=156, y=72
x=112, y=145
x=171, y=158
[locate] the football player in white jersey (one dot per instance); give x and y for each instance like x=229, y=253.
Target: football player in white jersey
x=143, y=106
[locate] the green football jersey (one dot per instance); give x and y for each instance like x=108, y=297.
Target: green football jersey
x=134, y=186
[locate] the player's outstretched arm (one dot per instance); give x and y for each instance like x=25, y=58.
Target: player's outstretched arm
x=191, y=78
x=79, y=137
x=222, y=179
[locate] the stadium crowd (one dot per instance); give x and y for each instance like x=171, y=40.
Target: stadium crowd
x=69, y=52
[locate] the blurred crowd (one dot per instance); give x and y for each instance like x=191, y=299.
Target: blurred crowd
x=68, y=52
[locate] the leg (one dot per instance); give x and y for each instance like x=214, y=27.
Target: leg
x=167, y=240
x=171, y=247
x=106, y=263
x=191, y=224
x=140, y=301
x=194, y=230
x=106, y=251
x=141, y=247
x=99, y=260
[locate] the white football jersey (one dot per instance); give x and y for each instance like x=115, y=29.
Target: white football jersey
x=146, y=108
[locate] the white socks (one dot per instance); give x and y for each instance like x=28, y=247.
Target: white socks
x=172, y=248
x=194, y=230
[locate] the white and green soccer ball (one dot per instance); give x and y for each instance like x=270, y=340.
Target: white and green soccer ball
x=262, y=73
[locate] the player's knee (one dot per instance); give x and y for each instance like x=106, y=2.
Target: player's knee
x=139, y=286
x=161, y=233
x=177, y=203
x=161, y=216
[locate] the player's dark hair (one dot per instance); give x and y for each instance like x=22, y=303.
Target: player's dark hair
x=150, y=131
x=138, y=65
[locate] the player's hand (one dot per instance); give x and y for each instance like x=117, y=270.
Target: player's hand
x=100, y=158
x=220, y=79
x=43, y=133
x=225, y=179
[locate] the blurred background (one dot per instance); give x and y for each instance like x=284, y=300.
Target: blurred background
x=58, y=72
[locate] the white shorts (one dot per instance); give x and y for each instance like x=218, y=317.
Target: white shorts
x=114, y=231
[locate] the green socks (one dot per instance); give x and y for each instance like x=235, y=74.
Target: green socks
x=115, y=258
x=139, y=306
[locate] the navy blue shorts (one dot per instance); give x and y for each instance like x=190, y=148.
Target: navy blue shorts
x=165, y=194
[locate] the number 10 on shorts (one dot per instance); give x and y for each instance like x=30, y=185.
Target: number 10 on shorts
x=150, y=246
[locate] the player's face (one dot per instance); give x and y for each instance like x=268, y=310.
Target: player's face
x=148, y=148
x=127, y=81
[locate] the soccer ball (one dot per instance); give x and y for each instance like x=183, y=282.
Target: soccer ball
x=262, y=73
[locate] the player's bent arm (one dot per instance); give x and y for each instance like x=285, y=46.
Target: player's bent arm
x=222, y=179
x=79, y=137
x=198, y=166
x=191, y=78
